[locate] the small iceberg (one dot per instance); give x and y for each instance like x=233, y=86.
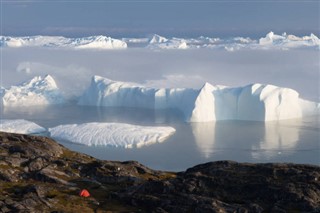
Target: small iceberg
x=111, y=134
x=20, y=126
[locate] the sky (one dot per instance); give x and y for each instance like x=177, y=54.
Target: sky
x=120, y=18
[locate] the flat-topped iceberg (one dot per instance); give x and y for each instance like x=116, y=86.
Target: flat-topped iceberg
x=111, y=134
x=37, y=91
x=210, y=103
x=20, y=126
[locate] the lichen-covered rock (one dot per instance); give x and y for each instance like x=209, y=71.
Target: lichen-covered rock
x=39, y=175
x=233, y=187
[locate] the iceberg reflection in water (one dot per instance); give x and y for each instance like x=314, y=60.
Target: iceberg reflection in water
x=295, y=140
x=265, y=140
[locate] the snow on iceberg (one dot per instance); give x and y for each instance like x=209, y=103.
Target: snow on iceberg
x=20, y=126
x=253, y=102
x=272, y=40
x=159, y=42
x=92, y=42
x=98, y=42
x=111, y=134
x=37, y=91
x=156, y=39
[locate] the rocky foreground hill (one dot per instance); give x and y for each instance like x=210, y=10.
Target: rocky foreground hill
x=39, y=175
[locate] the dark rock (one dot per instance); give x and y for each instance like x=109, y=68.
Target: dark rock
x=39, y=175
x=233, y=186
x=9, y=175
x=37, y=164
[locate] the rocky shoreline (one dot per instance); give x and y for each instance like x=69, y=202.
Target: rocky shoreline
x=39, y=175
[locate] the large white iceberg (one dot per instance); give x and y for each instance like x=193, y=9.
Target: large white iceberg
x=37, y=91
x=20, y=126
x=210, y=103
x=92, y=42
x=111, y=134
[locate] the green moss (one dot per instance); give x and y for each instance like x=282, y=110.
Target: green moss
x=4, y=167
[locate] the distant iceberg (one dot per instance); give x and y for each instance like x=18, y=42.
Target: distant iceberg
x=270, y=41
x=255, y=102
x=20, y=126
x=92, y=42
x=37, y=91
x=111, y=134
x=159, y=42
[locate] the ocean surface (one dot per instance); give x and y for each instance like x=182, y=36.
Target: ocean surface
x=296, y=140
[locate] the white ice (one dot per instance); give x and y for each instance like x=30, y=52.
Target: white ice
x=256, y=102
x=270, y=41
x=92, y=42
x=20, y=126
x=284, y=41
x=111, y=134
x=159, y=42
x=37, y=91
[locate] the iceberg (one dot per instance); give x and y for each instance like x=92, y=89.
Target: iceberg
x=92, y=42
x=269, y=41
x=20, y=126
x=284, y=41
x=105, y=92
x=111, y=134
x=256, y=102
x=159, y=42
x=37, y=91
x=98, y=42
x=156, y=39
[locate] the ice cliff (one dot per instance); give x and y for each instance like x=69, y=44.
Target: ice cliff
x=255, y=102
x=252, y=102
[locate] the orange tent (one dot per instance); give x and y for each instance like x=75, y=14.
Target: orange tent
x=84, y=193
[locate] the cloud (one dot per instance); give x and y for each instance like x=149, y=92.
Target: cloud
x=71, y=79
x=176, y=81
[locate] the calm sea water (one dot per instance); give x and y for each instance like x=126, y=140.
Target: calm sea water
x=296, y=140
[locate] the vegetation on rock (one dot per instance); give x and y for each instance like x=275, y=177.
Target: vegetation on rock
x=39, y=175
